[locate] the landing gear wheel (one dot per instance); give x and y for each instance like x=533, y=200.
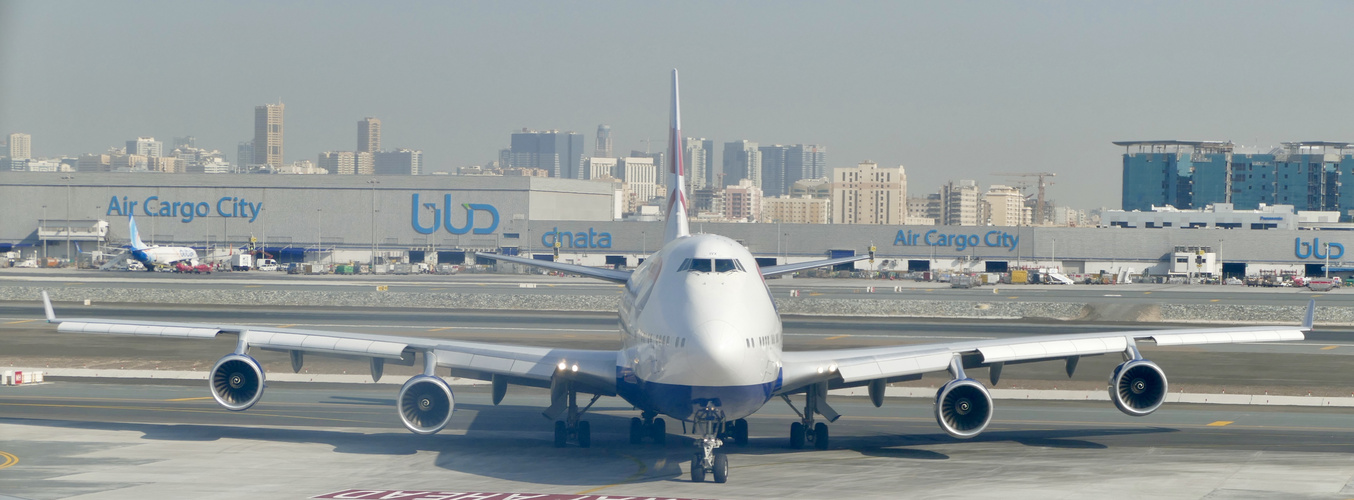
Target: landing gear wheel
x=820, y=436
x=636, y=431
x=721, y=468
x=697, y=469
x=659, y=432
x=740, y=432
x=561, y=434
x=796, y=436
x=585, y=435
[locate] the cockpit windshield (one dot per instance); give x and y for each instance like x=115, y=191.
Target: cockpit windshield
x=711, y=265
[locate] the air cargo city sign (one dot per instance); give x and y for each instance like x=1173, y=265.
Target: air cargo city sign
x=185, y=211
x=959, y=242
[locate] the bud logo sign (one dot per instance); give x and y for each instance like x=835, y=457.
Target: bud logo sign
x=442, y=217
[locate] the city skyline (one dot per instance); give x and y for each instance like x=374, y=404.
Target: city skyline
x=948, y=91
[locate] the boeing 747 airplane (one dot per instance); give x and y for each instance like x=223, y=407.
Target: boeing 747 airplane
x=701, y=344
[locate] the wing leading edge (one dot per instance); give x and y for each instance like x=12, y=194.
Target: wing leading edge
x=523, y=365
x=611, y=275
x=848, y=367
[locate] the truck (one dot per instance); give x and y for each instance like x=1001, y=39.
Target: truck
x=241, y=262
x=266, y=264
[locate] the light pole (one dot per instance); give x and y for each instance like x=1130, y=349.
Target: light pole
x=319, y=241
x=433, y=241
x=1327, y=266
x=373, y=184
x=68, y=179
x=43, y=225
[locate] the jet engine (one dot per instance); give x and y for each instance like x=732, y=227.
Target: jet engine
x=236, y=382
x=1137, y=387
x=425, y=404
x=963, y=408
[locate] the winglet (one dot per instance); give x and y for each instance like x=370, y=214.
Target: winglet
x=47, y=304
x=1310, y=318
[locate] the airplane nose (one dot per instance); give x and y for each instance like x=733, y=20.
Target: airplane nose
x=724, y=346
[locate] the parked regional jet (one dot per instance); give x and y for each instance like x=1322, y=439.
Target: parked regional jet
x=152, y=256
x=701, y=343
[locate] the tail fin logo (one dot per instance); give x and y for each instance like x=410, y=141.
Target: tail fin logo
x=137, y=244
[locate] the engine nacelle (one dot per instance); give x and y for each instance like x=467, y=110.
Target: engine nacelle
x=1137, y=387
x=236, y=382
x=963, y=408
x=425, y=404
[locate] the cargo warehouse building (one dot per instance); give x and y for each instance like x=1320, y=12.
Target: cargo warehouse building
x=445, y=219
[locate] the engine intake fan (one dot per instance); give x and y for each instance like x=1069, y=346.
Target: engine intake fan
x=963, y=408
x=425, y=404
x=236, y=382
x=1137, y=387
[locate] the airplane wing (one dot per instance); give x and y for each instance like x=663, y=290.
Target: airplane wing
x=595, y=371
x=769, y=271
x=611, y=275
x=855, y=367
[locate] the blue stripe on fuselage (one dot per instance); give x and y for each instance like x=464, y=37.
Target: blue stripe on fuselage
x=680, y=401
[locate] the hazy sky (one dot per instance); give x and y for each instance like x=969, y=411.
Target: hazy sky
x=950, y=90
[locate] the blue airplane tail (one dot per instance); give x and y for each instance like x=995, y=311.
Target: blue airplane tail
x=137, y=244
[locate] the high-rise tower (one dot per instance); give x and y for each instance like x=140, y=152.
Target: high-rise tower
x=604, y=148
x=268, y=135
x=369, y=135
x=20, y=146
x=742, y=160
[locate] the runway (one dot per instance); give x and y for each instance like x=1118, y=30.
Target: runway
x=162, y=442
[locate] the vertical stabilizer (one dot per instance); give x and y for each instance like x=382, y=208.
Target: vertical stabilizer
x=677, y=202
x=137, y=244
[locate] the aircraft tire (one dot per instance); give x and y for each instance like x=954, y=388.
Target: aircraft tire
x=561, y=434
x=796, y=436
x=584, y=435
x=721, y=467
x=659, y=432
x=636, y=430
x=740, y=432
x=820, y=436
x=697, y=469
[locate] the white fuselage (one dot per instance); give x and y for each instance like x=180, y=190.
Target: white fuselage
x=153, y=256
x=699, y=329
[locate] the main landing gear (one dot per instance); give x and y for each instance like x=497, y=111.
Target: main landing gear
x=564, y=400
x=806, y=430
x=650, y=427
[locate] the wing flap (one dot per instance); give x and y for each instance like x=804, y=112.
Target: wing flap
x=1056, y=348
x=885, y=366
x=1229, y=337
x=136, y=329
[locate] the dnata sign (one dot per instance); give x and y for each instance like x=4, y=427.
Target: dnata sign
x=960, y=242
x=1317, y=249
x=442, y=217
x=566, y=239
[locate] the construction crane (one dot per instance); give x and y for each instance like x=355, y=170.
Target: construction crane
x=1039, y=207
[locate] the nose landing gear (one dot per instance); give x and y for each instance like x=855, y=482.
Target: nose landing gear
x=708, y=422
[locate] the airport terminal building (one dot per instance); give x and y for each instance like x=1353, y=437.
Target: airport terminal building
x=445, y=219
